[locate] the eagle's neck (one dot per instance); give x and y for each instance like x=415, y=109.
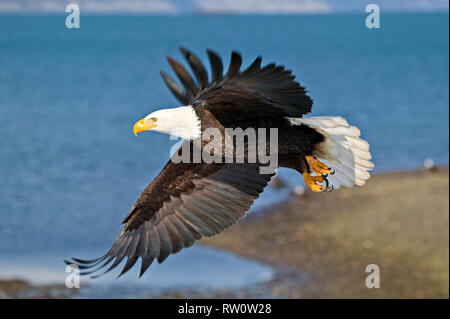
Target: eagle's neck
x=181, y=121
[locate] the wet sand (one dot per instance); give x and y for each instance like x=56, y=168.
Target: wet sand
x=398, y=221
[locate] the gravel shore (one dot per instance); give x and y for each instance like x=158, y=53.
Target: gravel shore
x=320, y=244
x=398, y=221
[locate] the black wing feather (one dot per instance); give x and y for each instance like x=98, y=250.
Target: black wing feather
x=253, y=68
x=216, y=67
x=235, y=65
x=213, y=197
x=184, y=76
x=272, y=88
x=183, y=96
x=197, y=67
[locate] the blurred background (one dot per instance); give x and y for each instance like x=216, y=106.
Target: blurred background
x=70, y=167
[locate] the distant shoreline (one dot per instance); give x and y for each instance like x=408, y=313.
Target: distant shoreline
x=61, y=13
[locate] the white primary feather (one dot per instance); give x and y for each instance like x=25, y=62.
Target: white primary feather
x=342, y=150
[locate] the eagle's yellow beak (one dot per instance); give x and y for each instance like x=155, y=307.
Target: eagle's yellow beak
x=144, y=125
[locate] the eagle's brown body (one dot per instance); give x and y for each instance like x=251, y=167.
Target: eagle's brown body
x=187, y=201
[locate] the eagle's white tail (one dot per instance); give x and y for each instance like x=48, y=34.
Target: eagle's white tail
x=342, y=150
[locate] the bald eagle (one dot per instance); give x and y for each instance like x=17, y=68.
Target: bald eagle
x=190, y=200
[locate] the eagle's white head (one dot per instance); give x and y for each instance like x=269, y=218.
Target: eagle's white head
x=181, y=121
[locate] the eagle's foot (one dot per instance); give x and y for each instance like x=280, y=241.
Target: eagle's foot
x=318, y=167
x=313, y=183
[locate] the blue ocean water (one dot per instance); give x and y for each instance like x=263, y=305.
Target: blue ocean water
x=70, y=167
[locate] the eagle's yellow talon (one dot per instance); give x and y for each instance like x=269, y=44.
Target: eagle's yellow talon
x=317, y=166
x=312, y=182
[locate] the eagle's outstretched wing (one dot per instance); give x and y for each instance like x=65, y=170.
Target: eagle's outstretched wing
x=269, y=90
x=185, y=202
